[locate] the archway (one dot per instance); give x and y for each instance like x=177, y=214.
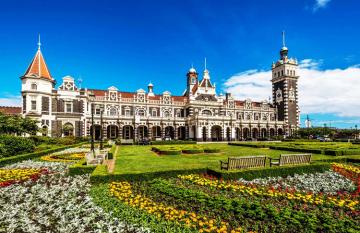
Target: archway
x=169, y=132
x=142, y=132
x=97, y=131
x=263, y=133
x=128, y=132
x=280, y=131
x=181, y=133
x=156, y=132
x=255, y=133
x=204, y=134
x=228, y=134
x=246, y=133
x=68, y=129
x=112, y=131
x=238, y=134
x=216, y=133
x=44, y=130
x=272, y=133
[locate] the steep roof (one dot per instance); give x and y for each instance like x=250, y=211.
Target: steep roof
x=10, y=110
x=38, y=67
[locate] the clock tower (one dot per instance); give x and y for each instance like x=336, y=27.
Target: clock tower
x=285, y=90
x=192, y=80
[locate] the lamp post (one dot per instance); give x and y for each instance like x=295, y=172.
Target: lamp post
x=101, y=126
x=92, y=128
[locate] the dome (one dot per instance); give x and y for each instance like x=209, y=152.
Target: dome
x=284, y=48
x=192, y=70
x=150, y=85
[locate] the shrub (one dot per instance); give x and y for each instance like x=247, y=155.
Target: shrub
x=212, y=150
x=110, y=155
x=250, y=174
x=80, y=168
x=14, y=145
x=18, y=158
x=171, y=142
x=193, y=151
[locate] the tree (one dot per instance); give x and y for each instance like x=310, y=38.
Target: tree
x=17, y=125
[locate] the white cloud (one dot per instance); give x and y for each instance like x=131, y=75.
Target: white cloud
x=320, y=4
x=10, y=100
x=333, y=91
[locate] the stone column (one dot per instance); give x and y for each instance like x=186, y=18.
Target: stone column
x=175, y=132
x=149, y=129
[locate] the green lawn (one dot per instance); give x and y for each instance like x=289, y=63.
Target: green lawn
x=139, y=159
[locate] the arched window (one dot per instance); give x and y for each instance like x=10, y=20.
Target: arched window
x=206, y=113
x=141, y=112
x=112, y=112
x=34, y=86
x=166, y=114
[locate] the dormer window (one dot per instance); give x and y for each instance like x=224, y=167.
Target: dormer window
x=34, y=86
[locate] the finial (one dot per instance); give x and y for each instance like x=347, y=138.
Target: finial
x=283, y=38
x=39, y=43
x=192, y=65
x=205, y=63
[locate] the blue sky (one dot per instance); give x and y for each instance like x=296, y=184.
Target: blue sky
x=130, y=43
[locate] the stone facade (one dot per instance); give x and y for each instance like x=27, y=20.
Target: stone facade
x=199, y=114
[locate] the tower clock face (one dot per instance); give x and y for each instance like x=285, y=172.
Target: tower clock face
x=278, y=95
x=192, y=80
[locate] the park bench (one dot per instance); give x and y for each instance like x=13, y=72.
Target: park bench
x=291, y=159
x=243, y=162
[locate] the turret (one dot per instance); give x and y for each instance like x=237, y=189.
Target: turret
x=37, y=85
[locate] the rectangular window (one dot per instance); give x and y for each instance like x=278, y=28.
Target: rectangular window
x=97, y=111
x=33, y=104
x=127, y=112
x=154, y=113
x=68, y=107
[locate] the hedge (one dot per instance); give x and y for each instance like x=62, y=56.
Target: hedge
x=19, y=158
x=250, y=174
x=172, y=142
x=211, y=150
x=100, y=175
x=80, y=168
x=193, y=151
x=258, y=145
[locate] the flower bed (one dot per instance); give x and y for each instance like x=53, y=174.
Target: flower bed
x=63, y=158
x=328, y=182
x=55, y=203
x=68, y=155
x=123, y=191
x=189, y=203
x=13, y=176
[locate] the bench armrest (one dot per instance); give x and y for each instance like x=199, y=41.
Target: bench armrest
x=221, y=164
x=273, y=159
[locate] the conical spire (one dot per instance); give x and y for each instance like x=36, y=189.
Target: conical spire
x=38, y=67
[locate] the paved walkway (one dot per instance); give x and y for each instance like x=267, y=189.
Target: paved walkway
x=111, y=163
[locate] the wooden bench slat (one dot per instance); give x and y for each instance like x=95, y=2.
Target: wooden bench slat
x=244, y=162
x=292, y=159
